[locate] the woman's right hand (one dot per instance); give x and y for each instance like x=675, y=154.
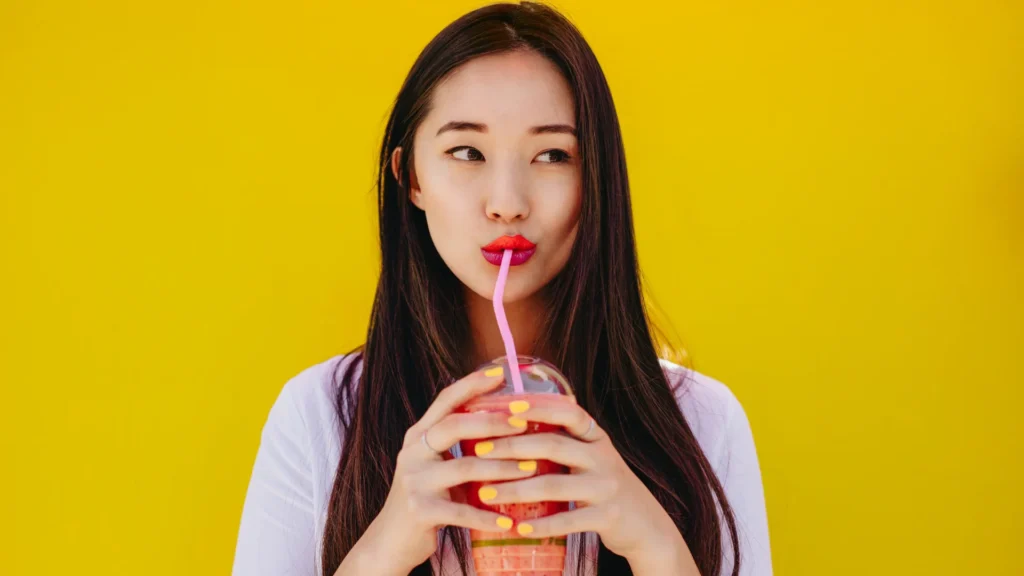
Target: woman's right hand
x=404, y=533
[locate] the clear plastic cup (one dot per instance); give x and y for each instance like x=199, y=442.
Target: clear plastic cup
x=508, y=553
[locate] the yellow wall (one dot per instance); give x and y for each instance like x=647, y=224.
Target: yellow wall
x=186, y=221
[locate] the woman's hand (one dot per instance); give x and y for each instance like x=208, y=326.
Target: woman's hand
x=610, y=499
x=404, y=533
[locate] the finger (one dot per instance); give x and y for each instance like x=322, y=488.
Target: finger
x=544, y=446
x=455, y=427
x=452, y=473
x=547, y=488
x=447, y=513
x=589, y=519
x=572, y=417
x=458, y=393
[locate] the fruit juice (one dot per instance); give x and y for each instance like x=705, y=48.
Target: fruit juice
x=508, y=553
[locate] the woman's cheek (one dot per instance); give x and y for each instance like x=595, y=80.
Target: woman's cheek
x=563, y=208
x=454, y=210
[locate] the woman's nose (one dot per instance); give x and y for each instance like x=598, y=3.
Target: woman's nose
x=508, y=200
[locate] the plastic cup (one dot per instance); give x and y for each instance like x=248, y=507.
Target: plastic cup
x=508, y=553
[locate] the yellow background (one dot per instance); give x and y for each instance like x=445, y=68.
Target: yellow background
x=828, y=201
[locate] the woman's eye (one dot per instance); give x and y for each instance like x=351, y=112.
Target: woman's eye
x=466, y=153
x=554, y=156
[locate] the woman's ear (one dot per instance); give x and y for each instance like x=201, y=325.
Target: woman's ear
x=396, y=165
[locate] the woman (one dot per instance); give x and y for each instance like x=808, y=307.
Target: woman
x=504, y=127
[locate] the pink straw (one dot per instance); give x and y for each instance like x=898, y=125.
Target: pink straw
x=506, y=332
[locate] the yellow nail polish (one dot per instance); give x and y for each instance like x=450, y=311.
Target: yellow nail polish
x=517, y=422
x=487, y=493
x=524, y=529
x=504, y=522
x=528, y=465
x=484, y=447
x=496, y=371
x=519, y=406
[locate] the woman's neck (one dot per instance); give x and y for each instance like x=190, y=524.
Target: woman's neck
x=524, y=319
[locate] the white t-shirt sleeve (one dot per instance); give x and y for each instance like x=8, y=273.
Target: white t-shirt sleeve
x=277, y=532
x=720, y=425
x=741, y=479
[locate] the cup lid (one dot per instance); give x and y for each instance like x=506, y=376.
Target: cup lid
x=539, y=376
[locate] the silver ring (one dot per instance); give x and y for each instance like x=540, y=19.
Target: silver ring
x=589, y=429
x=423, y=438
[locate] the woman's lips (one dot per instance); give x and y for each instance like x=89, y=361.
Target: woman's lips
x=518, y=256
x=522, y=250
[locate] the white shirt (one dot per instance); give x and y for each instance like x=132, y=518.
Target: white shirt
x=286, y=504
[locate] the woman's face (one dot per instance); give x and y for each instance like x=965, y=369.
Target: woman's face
x=497, y=156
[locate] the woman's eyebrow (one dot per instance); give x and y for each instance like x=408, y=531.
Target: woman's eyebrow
x=482, y=128
x=553, y=129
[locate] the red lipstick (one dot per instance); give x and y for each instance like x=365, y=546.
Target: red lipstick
x=522, y=250
x=516, y=242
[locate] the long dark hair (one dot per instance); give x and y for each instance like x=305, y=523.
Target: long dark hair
x=596, y=327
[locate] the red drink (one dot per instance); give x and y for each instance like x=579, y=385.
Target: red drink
x=509, y=553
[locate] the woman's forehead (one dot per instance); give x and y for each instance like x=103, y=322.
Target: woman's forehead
x=508, y=91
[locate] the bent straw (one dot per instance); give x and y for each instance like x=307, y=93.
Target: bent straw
x=506, y=332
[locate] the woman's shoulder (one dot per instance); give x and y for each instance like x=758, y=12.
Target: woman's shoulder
x=696, y=391
x=306, y=407
x=711, y=409
x=317, y=385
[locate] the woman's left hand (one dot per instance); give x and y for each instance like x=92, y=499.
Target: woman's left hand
x=610, y=499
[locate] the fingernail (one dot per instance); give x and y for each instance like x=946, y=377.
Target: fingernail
x=504, y=522
x=487, y=493
x=524, y=529
x=528, y=465
x=519, y=406
x=517, y=422
x=496, y=371
x=484, y=447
